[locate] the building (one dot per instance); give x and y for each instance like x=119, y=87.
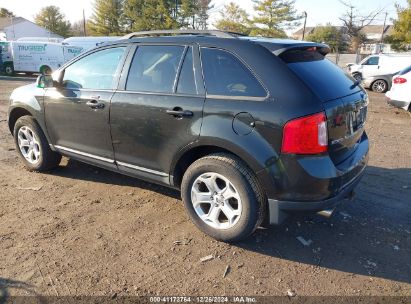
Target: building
x=373, y=34
x=17, y=27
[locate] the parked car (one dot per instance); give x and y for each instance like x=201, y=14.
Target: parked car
x=377, y=65
x=378, y=83
x=249, y=129
x=400, y=94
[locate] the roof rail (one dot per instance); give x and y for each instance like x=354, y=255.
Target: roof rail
x=214, y=33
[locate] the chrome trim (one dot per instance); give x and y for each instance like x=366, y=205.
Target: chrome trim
x=111, y=161
x=107, y=160
x=142, y=169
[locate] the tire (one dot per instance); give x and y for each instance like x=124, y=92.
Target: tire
x=8, y=69
x=45, y=70
x=28, y=136
x=357, y=76
x=249, y=206
x=379, y=86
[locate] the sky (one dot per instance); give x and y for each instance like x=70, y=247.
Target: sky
x=319, y=11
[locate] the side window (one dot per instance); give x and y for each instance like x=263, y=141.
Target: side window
x=95, y=71
x=154, y=69
x=226, y=75
x=186, y=82
x=373, y=61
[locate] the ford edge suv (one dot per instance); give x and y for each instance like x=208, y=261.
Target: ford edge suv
x=249, y=129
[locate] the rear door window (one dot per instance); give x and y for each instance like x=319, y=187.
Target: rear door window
x=154, y=69
x=226, y=75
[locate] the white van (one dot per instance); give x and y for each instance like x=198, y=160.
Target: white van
x=88, y=43
x=36, y=57
x=382, y=64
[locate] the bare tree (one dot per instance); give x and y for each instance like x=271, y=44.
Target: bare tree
x=355, y=22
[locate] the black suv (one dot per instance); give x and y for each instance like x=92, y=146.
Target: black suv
x=249, y=129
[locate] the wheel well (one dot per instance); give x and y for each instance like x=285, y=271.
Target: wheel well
x=16, y=114
x=191, y=156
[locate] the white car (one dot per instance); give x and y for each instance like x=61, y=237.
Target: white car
x=400, y=94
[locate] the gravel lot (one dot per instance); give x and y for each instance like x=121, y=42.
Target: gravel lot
x=81, y=230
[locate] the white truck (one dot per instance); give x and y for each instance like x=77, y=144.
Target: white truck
x=40, y=57
x=382, y=64
x=36, y=57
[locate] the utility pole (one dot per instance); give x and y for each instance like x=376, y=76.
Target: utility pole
x=305, y=23
x=84, y=24
x=383, y=28
x=175, y=13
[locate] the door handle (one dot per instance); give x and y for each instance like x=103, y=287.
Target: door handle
x=94, y=104
x=179, y=113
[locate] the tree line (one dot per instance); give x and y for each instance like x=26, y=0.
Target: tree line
x=271, y=18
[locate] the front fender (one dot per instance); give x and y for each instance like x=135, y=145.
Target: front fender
x=27, y=100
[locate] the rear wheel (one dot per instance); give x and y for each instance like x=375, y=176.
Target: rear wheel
x=8, y=69
x=379, y=86
x=223, y=198
x=33, y=146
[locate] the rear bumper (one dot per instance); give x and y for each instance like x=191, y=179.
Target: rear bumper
x=398, y=103
x=315, y=184
x=278, y=209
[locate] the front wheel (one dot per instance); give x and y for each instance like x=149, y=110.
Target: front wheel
x=223, y=198
x=33, y=147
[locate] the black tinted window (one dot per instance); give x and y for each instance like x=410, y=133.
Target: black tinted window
x=154, y=69
x=95, y=71
x=405, y=71
x=226, y=75
x=186, y=82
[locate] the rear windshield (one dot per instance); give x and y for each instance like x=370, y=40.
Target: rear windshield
x=323, y=77
x=405, y=71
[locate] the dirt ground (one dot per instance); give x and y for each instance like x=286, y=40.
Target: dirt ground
x=85, y=231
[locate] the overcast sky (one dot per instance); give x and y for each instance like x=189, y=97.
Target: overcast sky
x=319, y=11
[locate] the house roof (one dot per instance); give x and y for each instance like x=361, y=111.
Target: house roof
x=7, y=21
x=377, y=29
x=367, y=30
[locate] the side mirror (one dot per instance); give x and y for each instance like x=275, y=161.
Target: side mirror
x=44, y=81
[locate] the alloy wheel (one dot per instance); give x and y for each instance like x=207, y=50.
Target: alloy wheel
x=216, y=201
x=29, y=145
x=379, y=86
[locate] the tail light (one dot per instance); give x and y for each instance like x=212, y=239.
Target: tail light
x=399, y=80
x=306, y=135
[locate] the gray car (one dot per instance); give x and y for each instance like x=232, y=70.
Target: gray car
x=379, y=83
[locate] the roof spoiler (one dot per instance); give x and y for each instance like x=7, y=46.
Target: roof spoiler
x=323, y=49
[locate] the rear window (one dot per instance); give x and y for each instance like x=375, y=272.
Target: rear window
x=323, y=77
x=405, y=71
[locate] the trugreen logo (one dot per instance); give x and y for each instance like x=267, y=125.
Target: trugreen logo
x=33, y=48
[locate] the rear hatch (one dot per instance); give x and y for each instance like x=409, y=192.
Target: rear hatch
x=344, y=101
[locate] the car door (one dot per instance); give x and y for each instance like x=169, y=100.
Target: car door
x=371, y=67
x=157, y=110
x=77, y=109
